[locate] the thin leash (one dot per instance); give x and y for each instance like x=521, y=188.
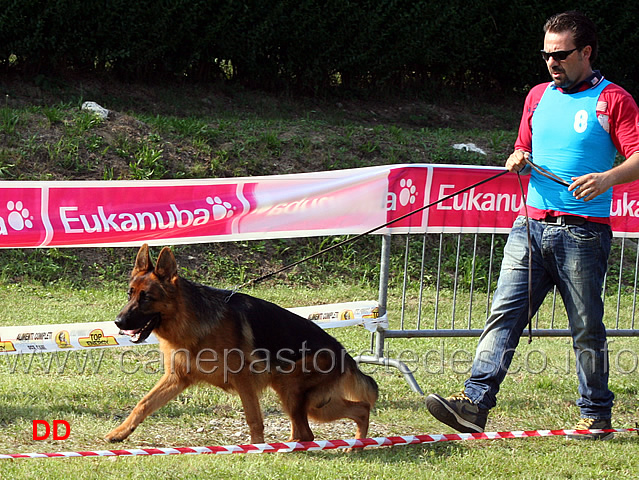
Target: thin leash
x=358, y=236
x=547, y=174
x=537, y=168
x=530, y=311
x=560, y=181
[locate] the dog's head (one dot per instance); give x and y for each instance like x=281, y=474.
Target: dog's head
x=149, y=294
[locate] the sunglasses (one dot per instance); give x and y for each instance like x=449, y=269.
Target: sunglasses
x=559, y=55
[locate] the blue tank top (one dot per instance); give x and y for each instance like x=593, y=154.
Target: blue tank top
x=568, y=140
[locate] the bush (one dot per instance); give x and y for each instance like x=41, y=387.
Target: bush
x=307, y=45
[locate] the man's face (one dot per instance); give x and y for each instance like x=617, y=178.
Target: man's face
x=575, y=68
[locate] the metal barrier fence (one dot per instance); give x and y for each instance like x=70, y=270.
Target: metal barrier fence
x=456, y=301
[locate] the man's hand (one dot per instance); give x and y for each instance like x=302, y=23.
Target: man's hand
x=589, y=186
x=517, y=161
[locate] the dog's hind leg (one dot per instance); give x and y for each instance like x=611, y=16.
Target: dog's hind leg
x=336, y=408
x=167, y=388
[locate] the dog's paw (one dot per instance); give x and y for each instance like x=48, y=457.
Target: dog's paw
x=116, y=435
x=113, y=438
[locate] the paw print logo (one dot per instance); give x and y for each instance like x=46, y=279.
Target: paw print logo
x=408, y=193
x=221, y=210
x=18, y=216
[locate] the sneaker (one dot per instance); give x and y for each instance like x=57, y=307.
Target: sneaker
x=458, y=412
x=593, y=424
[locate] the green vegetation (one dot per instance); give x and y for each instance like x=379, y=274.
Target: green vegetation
x=200, y=134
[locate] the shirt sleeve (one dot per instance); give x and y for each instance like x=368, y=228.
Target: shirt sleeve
x=622, y=114
x=524, y=137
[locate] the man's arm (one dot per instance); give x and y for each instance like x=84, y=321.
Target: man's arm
x=592, y=185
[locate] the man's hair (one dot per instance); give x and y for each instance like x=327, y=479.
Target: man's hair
x=584, y=31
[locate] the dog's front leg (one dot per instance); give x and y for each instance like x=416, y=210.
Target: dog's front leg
x=252, y=411
x=167, y=388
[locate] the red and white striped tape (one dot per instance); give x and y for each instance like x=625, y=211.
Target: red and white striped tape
x=319, y=445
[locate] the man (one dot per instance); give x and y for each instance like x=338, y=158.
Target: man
x=571, y=127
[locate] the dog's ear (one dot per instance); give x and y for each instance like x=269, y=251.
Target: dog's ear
x=166, y=267
x=143, y=261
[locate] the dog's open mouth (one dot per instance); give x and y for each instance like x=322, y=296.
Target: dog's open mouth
x=142, y=334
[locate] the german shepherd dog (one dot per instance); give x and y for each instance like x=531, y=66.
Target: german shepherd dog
x=241, y=344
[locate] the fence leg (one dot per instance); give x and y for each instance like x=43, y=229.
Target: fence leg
x=391, y=362
x=378, y=355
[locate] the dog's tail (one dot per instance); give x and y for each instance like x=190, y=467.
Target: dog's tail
x=360, y=387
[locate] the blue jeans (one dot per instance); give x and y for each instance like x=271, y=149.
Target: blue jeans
x=575, y=259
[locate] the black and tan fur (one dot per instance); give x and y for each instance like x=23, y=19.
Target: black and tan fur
x=267, y=346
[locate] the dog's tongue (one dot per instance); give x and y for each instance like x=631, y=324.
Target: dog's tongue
x=130, y=333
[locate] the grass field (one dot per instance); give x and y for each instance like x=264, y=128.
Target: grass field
x=93, y=394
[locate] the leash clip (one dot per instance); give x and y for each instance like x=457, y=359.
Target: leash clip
x=237, y=288
x=233, y=292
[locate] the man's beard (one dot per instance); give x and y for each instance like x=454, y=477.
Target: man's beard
x=562, y=82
